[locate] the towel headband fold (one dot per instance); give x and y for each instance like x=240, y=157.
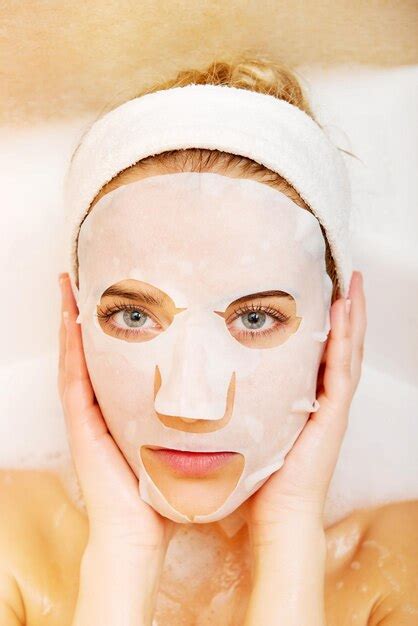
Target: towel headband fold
x=267, y=130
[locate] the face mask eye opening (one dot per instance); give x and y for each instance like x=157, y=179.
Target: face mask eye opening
x=135, y=311
x=263, y=320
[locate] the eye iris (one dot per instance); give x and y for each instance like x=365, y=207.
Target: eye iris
x=134, y=318
x=254, y=319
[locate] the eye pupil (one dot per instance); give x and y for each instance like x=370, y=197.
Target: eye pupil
x=134, y=318
x=254, y=319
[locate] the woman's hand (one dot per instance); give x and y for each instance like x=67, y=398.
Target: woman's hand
x=285, y=515
x=127, y=538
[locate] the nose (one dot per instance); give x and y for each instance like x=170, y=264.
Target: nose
x=195, y=370
x=195, y=424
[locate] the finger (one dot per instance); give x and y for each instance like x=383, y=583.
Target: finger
x=337, y=372
x=325, y=429
x=79, y=394
x=311, y=462
x=61, y=359
x=87, y=431
x=322, y=437
x=75, y=363
x=69, y=303
x=62, y=341
x=84, y=422
x=83, y=414
x=358, y=322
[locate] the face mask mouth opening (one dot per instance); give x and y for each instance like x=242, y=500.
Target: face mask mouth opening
x=179, y=475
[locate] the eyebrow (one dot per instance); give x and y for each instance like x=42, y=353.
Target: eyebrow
x=263, y=294
x=139, y=296
x=148, y=298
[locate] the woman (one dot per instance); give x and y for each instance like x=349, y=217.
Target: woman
x=62, y=566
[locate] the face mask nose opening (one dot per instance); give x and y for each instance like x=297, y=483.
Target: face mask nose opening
x=196, y=424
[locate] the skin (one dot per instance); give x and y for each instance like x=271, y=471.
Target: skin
x=62, y=566
x=42, y=539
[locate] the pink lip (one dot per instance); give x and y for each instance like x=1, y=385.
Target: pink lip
x=194, y=464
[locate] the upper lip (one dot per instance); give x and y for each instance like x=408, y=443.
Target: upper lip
x=190, y=451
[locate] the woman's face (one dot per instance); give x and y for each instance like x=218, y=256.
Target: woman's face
x=204, y=308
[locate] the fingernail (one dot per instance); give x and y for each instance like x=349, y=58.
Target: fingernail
x=347, y=306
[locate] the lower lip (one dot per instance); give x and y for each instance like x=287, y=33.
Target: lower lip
x=193, y=463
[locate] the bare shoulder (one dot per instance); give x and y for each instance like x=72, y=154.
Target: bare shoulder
x=373, y=571
x=42, y=535
x=34, y=505
x=396, y=522
x=390, y=551
x=390, y=544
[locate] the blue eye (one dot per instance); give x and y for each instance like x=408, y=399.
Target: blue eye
x=134, y=318
x=131, y=322
x=254, y=319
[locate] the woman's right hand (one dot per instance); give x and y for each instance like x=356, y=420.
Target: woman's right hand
x=127, y=538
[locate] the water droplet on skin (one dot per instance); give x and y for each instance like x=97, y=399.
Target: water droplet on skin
x=46, y=605
x=409, y=608
x=340, y=546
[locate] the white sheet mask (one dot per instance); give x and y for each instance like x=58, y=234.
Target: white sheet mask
x=204, y=240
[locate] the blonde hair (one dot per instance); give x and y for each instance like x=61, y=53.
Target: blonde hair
x=261, y=75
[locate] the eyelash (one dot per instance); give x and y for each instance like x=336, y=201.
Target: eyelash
x=277, y=315
x=273, y=312
x=105, y=314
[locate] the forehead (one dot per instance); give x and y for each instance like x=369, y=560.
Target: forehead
x=209, y=227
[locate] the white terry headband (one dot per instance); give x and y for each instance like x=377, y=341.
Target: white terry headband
x=261, y=127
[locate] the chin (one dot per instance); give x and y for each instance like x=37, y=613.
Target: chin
x=193, y=483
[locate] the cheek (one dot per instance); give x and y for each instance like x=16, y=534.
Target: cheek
x=274, y=401
x=125, y=396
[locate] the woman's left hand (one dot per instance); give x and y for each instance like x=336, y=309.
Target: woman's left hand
x=285, y=516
